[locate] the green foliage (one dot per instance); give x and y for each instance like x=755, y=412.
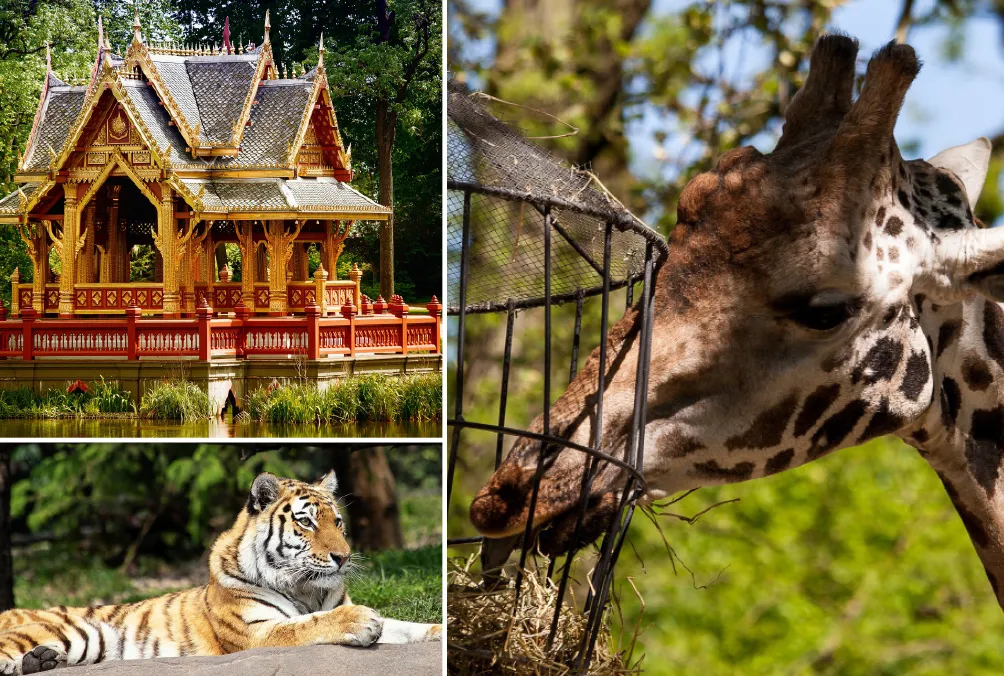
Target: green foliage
x=176, y=400
x=405, y=585
x=357, y=398
x=855, y=564
x=102, y=397
x=142, y=261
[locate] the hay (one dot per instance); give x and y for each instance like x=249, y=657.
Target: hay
x=486, y=636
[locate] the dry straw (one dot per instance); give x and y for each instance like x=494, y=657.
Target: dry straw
x=488, y=636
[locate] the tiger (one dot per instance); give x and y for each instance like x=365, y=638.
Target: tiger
x=277, y=578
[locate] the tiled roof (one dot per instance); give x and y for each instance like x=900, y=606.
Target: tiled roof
x=174, y=73
x=61, y=107
x=10, y=203
x=274, y=123
x=157, y=120
x=311, y=194
x=221, y=86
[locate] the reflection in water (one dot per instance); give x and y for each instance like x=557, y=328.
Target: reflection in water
x=135, y=428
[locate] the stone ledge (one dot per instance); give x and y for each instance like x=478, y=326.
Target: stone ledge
x=419, y=659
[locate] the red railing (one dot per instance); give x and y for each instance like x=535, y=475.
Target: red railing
x=388, y=330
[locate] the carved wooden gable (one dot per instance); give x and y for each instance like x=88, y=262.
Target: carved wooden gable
x=109, y=129
x=318, y=155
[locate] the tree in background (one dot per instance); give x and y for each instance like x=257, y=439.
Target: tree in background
x=384, y=68
x=854, y=564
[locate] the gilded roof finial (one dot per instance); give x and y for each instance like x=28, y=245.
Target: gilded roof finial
x=285, y=73
x=136, y=26
x=48, y=59
x=101, y=34
x=268, y=26
x=320, y=52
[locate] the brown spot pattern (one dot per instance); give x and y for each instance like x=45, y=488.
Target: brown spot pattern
x=768, y=428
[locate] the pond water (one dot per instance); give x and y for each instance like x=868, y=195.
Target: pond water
x=214, y=429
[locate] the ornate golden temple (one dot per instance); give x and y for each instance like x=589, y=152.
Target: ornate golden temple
x=182, y=149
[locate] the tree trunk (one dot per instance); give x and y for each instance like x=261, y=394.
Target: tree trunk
x=385, y=124
x=374, y=515
x=221, y=259
x=6, y=561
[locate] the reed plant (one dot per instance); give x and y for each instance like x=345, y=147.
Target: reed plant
x=357, y=398
x=175, y=400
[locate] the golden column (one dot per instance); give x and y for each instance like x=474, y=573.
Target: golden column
x=279, y=243
x=68, y=244
x=245, y=240
x=112, y=265
x=85, y=259
x=189, y=261
x=33, y=235
x=172, y=246
x=334, y=243
x=206, y=270
x=299, y=264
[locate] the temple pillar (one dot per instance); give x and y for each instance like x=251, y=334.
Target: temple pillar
x=261, y=266
x=335, y=233
x=279, y=243
x=186, y=279
x=299, y=263
x=33, y=234
x=85, y=259
x=112, y=265
x=245, y=240
x=167, y=241
x=67, y=244
x=206, y=264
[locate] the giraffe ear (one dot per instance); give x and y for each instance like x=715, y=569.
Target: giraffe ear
x=969, y=162
x=969, y=260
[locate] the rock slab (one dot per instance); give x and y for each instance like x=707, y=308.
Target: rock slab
x=418, y=659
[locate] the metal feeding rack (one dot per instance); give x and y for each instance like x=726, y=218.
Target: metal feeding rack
x=569, y=241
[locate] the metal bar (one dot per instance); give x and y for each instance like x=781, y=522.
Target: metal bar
x=461, y=329
x=629, y=300
x=539, y=474
x=551, y=439
x=585, y=488
x=623, y=221
x=604, y=576
x=574, y=367
x=506, y=357
x=556, y=299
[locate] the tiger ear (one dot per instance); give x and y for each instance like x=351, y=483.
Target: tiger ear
x=328, y=482
x=264, y=491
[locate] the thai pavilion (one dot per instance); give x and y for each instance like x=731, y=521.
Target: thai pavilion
x=184, y=149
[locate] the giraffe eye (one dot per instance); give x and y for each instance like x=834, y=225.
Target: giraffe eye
x=824, y=317
x=821, y=312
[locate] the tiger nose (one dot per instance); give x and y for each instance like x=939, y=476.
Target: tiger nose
x=337, y=558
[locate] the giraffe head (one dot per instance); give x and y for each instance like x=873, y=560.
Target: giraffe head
x=787, y=316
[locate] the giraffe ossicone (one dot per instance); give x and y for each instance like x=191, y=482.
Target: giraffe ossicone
x=814, y=298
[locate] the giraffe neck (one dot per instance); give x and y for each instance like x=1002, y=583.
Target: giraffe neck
x=962, y=434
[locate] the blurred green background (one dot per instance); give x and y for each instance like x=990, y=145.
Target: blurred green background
x=112, y=523
x=854, y=564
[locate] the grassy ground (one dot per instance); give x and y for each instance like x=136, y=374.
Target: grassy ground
x=405, y=585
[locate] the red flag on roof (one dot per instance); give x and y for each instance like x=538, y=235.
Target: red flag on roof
x=226, y=35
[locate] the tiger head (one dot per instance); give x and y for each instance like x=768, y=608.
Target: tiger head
x=293, y=534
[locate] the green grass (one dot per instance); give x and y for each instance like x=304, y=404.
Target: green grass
x=358, y=398
x=175, y=400
x=404, y=585
x=102, y=397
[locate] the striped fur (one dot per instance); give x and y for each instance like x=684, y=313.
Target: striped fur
x=277, y=578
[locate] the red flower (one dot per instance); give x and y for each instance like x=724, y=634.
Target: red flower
x=77, y=387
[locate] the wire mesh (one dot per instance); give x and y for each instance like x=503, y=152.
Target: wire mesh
x=527, y=230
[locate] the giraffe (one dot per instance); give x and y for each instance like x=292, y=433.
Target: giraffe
x=814, y=298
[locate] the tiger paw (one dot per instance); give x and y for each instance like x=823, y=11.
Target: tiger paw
x=42, y=659
x=363, y=626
